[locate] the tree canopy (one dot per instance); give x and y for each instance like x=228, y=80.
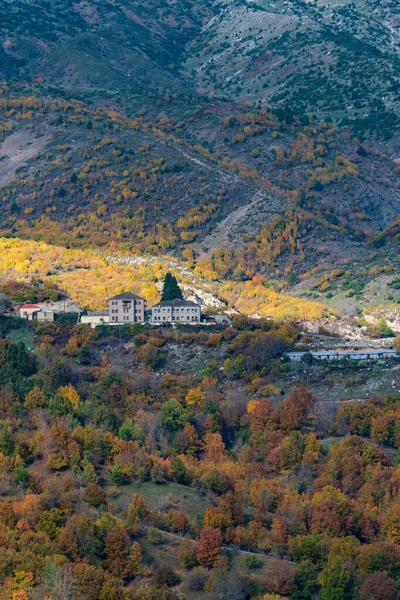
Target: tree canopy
x=171, y=289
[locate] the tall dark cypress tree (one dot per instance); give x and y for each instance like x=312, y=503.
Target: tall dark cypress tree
x=171, y=289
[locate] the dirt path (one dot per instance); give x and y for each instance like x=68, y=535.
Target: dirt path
x=228, y=547
x=261, y=209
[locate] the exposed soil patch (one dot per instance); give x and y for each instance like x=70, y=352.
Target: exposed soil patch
x=17, y=149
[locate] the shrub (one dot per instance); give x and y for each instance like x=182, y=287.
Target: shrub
x=197, y=580
x=253, y=562
x=154, y=535
x=165, y=575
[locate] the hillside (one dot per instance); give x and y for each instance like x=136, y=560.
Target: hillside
x=337, y=59
x=218, y=132
x=194, y=177
x=90, y=277
x=112, y=45
x=152, y=463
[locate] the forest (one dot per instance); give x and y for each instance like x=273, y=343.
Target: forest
x=123, y=475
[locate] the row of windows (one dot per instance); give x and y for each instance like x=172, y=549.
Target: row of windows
x=126, y=311
x=183, y=318
x=127, y=319
x=158, y=310
x=126, y=302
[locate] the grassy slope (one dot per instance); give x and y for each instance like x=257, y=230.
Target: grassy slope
x=161, y=497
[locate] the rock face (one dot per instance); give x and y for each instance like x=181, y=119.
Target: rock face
x=390, y=315
x=18, y=149
x=63, y=306
x=344, y=334
x=205, y=299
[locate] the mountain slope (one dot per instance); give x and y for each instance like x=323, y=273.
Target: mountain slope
x=107, y=138
x=112, y=45
x=333, y=58
x=149, y=182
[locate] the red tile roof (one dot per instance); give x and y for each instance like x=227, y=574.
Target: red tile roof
x=30, y=306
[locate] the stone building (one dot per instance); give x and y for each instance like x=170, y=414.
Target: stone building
x=32, y=312
x=176, y=311
x=126, y=308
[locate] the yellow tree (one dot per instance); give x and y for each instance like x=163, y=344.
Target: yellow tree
x=195, y=397
x=69, y=393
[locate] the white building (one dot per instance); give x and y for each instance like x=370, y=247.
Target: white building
x=367, y=354
x=95, y=318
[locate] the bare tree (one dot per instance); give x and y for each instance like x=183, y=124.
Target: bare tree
x=58, y=581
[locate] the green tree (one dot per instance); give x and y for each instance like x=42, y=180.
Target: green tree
x=335, y=580
x=60, y=406
x=172, y=416
x=127, y=430
x=306, y=580
x=171, y=289
x=7, y=443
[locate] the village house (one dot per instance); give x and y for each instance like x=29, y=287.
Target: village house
x=32, y=312
x=126, y=308
x=176, y=311
x=217, y=318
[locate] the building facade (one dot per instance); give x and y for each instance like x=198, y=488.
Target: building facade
x=176, y=311
x=126, y=308
x=368, y=354
x=95, y=318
